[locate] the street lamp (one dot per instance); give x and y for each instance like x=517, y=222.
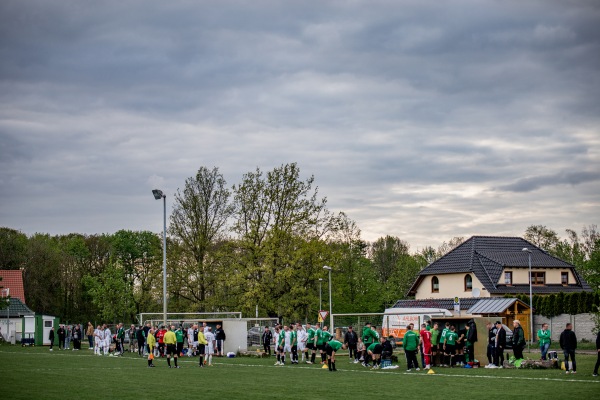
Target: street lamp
x=158, y=194
x=320, y=294
x=530, y=300
x=330, y=314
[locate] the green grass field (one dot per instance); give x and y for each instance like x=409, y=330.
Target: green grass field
x=36, y=373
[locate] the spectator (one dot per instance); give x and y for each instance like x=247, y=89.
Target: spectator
x=499, y=345
x=77, y=337
x=90, y=335
x=471, y=339
x=220, y=338
x=133, y=341
x=68, y=337
x=518, y=340
x=141, y=340
x=544, y=336
x=62, y=333
x=568, y=344
x=491, y=343
x=266, y=338
x=51, y=338
x=351, y=340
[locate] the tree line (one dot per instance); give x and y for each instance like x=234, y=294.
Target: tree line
x=260, y=243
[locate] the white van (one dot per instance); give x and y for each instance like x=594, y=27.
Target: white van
x=395, y=320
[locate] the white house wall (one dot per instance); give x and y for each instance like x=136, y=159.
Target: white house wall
x=451, y=285
x=521, y=275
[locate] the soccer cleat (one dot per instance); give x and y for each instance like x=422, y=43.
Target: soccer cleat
x=309, y=362
x=573, y=372
x=178, y=366
x=566, y=372
x=594, y=374
x=417, y=369
x=356, y=361
x=408, y=370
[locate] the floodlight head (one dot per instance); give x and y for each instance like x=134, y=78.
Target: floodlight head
x=327, y=268
x=158, y=194
x=526, y=249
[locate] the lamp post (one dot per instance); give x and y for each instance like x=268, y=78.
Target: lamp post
x=530, y=300
x=158, y=194
x=320, y=294
x=330, y=314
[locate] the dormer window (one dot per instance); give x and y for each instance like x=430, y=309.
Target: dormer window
x=435, y=285
x=508, y=279
x=468, y=283
x=564, y=277
x=538, y=278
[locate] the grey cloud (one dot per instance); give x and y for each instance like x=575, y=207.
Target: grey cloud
x=533, y=183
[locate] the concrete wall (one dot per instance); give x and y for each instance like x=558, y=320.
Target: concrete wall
x=582, y=325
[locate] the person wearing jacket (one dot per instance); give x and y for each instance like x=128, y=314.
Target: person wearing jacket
x=266, y=338
x=351, y=340
x=568, y=344
x=598, y=352
x=544, y=339
x=220, y=337
x=518, y=340
x=499, y=345
x=51, y=338
x=471, y=339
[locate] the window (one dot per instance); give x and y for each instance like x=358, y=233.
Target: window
x=508, y=278
x=47, y=324
x=435, y=285
x=538, y=278
x=468, y=283
x=564, y=277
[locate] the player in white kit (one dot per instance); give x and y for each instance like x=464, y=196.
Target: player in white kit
x=107, y=339
x=210, y=345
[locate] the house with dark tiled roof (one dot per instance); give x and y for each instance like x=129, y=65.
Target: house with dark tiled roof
x=489, y=266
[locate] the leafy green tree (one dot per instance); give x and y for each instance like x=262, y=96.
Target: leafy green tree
x=111, y=294
x=198, y=220
x=41, y=275
x=13, y=248
x=542, y=237
x=276, y=216
x=139, y=253
x=396, y=269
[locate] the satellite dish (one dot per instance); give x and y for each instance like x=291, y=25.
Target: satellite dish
x=476, y=292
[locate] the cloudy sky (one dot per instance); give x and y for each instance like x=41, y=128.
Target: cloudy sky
x=420, y=119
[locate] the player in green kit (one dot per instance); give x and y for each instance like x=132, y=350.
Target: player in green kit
x=330, y=348
x=281, y=347
x=320, y=343
x=374, y=351
x=294, y=344
x=179, y=337
x=450, y=345
x=368, y=337
x=310, y=343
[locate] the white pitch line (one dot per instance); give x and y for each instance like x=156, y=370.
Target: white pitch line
x=441, y=375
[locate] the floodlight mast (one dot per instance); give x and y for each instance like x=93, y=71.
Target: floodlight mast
x=158, y=194
x=325, y=267
x=525, y=249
